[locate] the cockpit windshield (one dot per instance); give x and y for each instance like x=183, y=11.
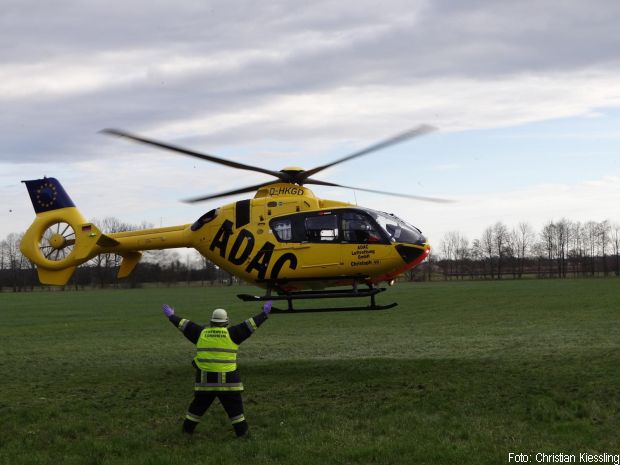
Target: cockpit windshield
x=397, y=229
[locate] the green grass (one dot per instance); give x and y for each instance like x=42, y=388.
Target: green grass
x=458, y=373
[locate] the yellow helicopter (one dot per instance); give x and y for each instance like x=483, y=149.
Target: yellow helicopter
x=285, y=239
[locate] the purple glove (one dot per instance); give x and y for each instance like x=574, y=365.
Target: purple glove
x=267, y=307
x=168, y=310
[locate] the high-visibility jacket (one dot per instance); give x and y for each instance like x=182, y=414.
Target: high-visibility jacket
x=216, y=357
x=216, y=352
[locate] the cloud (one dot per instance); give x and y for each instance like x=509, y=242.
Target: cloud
x=233, y=74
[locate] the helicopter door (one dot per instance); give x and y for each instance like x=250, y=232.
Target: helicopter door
x=363, y=245
x=322, y=239
x=314, y=238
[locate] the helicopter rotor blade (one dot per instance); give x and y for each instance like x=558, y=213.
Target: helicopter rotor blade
x=395, y=194
x=397, y=139
x=192, y=153
x=241, y=190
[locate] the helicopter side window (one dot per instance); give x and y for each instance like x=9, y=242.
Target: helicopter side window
x=283, y=229
x=322, y=228
x=358, y=229
x=204, y=219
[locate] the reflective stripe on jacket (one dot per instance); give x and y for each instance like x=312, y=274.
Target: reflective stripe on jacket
x=209, y=381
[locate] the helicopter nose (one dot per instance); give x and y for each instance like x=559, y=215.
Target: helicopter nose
x=411, y=253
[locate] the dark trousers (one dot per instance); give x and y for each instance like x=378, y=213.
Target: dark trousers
x=230, y=400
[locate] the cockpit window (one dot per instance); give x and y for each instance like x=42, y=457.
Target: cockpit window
x=397, y=229
x=358, y=229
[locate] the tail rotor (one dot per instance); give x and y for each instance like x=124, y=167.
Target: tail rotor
x=57, y=242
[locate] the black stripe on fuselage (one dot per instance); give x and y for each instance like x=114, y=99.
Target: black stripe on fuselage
x=242, y=213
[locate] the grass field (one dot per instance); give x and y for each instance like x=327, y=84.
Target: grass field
x=458, y=373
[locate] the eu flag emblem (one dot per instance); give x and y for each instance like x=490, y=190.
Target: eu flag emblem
x=47, y=194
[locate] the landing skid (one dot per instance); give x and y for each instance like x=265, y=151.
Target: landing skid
x=325, y=294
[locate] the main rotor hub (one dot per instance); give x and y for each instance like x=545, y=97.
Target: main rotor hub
x=293, y=174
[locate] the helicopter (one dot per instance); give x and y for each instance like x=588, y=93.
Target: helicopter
x=285, y=239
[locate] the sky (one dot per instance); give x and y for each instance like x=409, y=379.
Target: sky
x=525, y=97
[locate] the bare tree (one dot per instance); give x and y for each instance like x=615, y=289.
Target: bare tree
x=455, y=250
x=562, y=237
x=430, y=263
x=590, y=235
x=548, y=244
x=522, y=238
x=462, y=254
x=3, y=261
x=576, y=247
x=500, y=243
x=15, y=261
x=476, y=254
x=615, y=243
x=604, y=238
x=488, y=248
x=208, y=269
x=447, y=247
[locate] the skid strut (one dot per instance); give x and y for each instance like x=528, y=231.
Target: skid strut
x=324, y=294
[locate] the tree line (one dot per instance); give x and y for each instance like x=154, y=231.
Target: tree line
x=561, y=249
